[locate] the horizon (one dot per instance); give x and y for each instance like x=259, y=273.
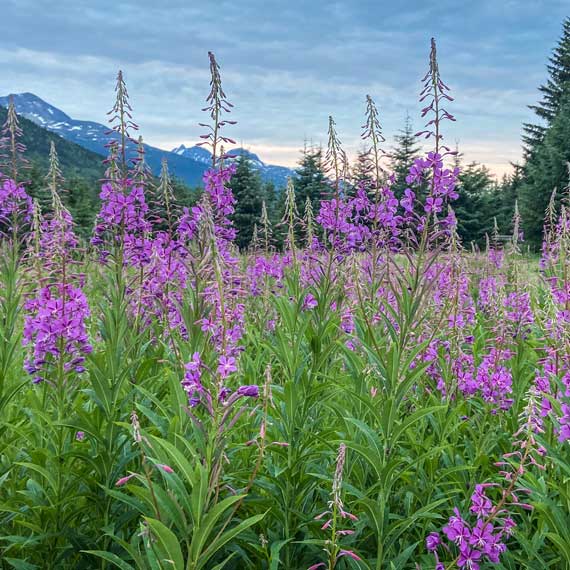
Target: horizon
x=283, y=99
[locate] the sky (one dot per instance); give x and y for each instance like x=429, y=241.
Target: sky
x=287, y=66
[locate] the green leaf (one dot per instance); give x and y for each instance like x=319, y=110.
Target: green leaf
x=110, y=557
x=168, y=543
x=226, y=537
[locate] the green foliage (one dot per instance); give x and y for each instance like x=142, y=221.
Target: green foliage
x=247, y=189
x=476, y=206
x=310, y=180
x=554, y=91
x=545, y=170
x=546, y=151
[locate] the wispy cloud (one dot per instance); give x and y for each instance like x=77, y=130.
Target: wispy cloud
x=286, y=66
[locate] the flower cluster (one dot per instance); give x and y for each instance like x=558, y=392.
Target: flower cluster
x=484, y=539
x=15, y=205
x=121, y=219
x=55, y=330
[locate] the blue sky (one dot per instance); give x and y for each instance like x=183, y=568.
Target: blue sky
x=286, y=66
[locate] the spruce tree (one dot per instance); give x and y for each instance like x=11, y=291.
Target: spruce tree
x=82, y=204
x=403, y=155
x=545, y=170
x=477, y=193
x=554, y=91
x=509, y=193
x=310, y=180
x=247, y=189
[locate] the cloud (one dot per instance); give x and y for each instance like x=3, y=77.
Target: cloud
x=286, y=66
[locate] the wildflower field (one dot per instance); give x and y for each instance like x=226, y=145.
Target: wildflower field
x=370, y=395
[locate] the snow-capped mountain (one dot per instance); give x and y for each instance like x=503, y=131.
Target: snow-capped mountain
x=269, y=172
x=187, y=164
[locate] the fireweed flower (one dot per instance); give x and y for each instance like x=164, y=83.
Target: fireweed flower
x=222, y=206
x=226, y=365
x=159, y=296
x=484, y=540
x=495, y=378
x=519, y=314
x=122, y=221
x=55, y=321
x=433, y=541
x=309, y=302
x=192, y=380
x=54, y=329
x=16, y=206
x=251, y=391
x=564, y=432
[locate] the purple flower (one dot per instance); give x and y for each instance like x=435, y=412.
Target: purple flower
x=433, y=204
x=55, y=328
x=480, y=504
x=191, y=382
x=469, y=558
x=15, y=204
x=457, y=530
x=309, y=302
x=226, y=365
x=122, y=217
x=564, y=432
x=433, y=541
x=481, y=535
x=407, y=202
x=251, y=391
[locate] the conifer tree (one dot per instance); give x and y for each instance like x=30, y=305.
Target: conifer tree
x=403, y=155
x=310, y=180
x=509, y=193
x=247, y=189
x=362, y=169
x=474, y=206
x=554, y=91
x=545, y=170
x=271, y=199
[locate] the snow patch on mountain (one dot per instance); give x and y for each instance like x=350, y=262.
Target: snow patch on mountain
x=187, y=163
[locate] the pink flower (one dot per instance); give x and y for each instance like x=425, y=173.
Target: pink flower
x=123, y=480
x=350, y=554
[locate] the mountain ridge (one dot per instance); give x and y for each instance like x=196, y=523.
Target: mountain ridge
x=186, y=163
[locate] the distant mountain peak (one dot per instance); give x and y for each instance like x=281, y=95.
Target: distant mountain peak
x=36, y=109
x=186, y=163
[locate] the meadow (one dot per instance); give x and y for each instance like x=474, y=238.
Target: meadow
x=371, y=395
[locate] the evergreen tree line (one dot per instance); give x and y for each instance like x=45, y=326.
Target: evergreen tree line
x=547, y=143
x=483, y=202
x=484, y=205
